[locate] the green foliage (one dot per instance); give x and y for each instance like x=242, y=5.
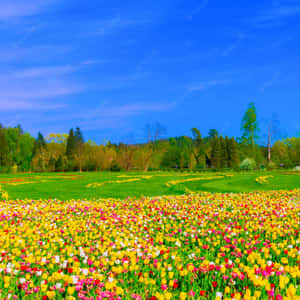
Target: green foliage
x=39, y=144
x=233, y=153
x=115, y=167
x=19, y=151
x=171, y=158
x=212, y=133
x=249, y=126
x=216, y=153
x=71, y=145
x=248, y=164
x=3, y=147
x=26, y=145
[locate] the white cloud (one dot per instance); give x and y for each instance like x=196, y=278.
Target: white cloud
x=207, y=84
x=22, y=8
x=43, y=71
x=276, y=15
x=238, y=39
x=200, y=7
x=24, y=94
x=31, y=54
x=117, y=23
x=136, y=108
x=270, y=82
x=115, y=116
x=27, y=105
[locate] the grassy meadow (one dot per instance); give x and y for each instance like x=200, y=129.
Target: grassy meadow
x=66, y=186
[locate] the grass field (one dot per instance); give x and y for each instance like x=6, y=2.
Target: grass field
x=136, y=184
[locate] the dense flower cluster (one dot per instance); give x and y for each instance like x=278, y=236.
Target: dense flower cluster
x=97, y=184
x=174, y=182
x=3, y=194
x=207, y=246
x=263, y=179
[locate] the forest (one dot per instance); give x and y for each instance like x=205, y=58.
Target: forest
x=21, y=152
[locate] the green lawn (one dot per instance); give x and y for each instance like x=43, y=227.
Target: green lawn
x=74, y=185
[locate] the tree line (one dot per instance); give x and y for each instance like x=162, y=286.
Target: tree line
x=20, y=152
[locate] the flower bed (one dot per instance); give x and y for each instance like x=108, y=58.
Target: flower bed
x=207, y=246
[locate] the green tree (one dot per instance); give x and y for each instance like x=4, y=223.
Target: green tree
x=12, y=137
x=39, y=144
x=224, y=153
x=39, y=154
x=26, y=144
x=249, y=127
x=71, y=145
x=3, y=147
x=79, y=142
x=212, y=133
x=171, y=158
x=197, y=148
x=216, y=153
x=233, y=153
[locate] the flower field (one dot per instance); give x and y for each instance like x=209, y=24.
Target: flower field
x=205, y=246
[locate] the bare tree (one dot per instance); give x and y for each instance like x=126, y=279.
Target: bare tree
x=273, y=132
x=153, y=133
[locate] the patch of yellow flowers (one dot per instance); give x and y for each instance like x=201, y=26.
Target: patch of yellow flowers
x=3, y=194
x=174, y=182
x=263, y=179
x=97, y=184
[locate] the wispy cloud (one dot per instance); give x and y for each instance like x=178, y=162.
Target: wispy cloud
x=43, y=71
x=115, y=116
x=94, y=61
x=31, y=54
x=270, y=82
x=277, y=15
x=200, y=7
x=33, y=88
x=207, y=84
x=47, y=71
x=22, y=8
x=116, y=24
x=28, y=92
x=27, y=105
x=136, y=108
x=237, y=41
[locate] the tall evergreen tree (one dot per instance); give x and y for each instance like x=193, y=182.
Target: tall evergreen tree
x=78, y=136
x=79, y=142
x=224, y=153
x=21, y=131
x=3, y=147
x=197, y=148
x=212, y=133
x=71, y=145
x=216, y=154
x=39, y=153
x=227, y=141
x=249, y=127
x=39, y=144
x=233, y=153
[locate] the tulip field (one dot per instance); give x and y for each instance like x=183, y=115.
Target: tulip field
x=193, y=245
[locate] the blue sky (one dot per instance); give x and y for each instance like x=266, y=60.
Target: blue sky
x=111, y=67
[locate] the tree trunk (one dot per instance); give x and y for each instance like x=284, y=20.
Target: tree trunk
x=269, y=144
x=253, y=144
x=128, y=165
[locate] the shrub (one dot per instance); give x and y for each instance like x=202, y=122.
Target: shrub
x=248, y=164
x=115, y=167
x=272, y=165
